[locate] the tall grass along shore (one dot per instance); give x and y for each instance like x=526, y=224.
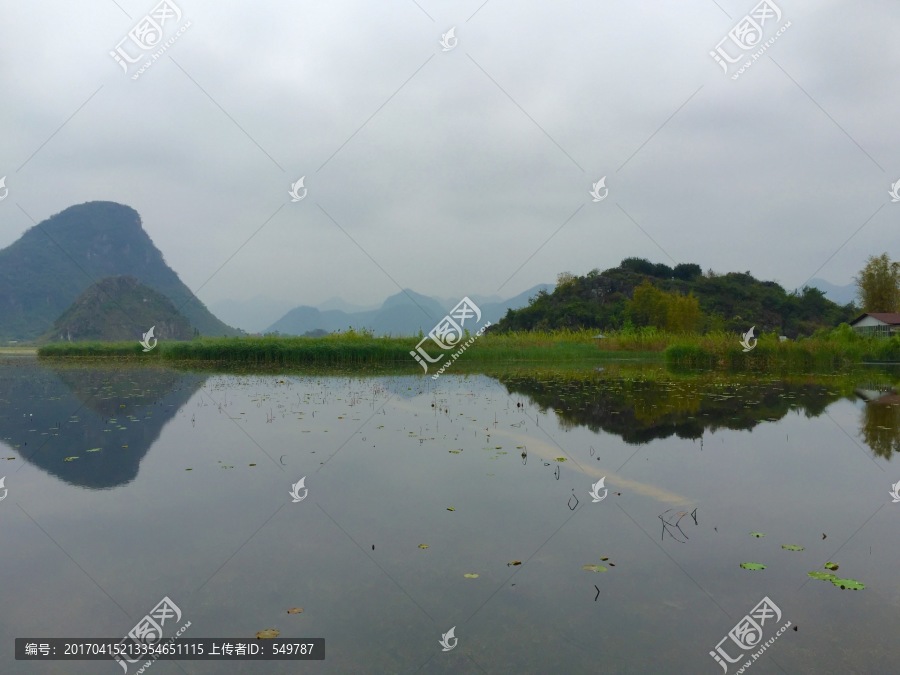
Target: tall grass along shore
x=714, y=350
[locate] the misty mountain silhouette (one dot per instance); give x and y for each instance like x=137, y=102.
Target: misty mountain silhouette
x=52, y=263
x=405, y=313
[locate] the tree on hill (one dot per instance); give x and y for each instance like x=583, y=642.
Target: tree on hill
x=675, y=312
x=878, y=285
x=687, y=271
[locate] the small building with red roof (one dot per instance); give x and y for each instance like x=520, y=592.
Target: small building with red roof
x=880, y=324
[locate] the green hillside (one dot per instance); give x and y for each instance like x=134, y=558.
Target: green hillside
x=119, y=309
x=51, y=264
x=680, y=299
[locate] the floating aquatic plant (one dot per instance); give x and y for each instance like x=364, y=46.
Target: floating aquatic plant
x=752, y=566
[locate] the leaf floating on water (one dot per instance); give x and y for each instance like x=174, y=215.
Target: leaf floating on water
x=470, y=576
x=560, y=459
x=848, y=584
x=268, y=634
x=792, y=547
x=450, y=508
x=423, y=546
x=455, y=452
x=513, y=562
x=831, y=566
x=252, y=464
x=594, y=568
x=188, y=469
x=295, y=610
x=753, y=566
x=70, y=459
x=95, y=450
x=604, y=558
x=826, y=576
x=757, y=534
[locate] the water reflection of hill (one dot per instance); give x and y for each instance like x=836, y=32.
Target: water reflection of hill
x=48, y=413
x=642, y=409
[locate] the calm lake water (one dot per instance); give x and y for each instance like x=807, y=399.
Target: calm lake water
x=130, y=484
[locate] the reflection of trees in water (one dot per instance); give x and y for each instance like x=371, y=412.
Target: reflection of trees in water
x=880, y=425
x=640, y=410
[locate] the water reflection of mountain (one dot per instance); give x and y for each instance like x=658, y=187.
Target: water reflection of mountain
x=48, y=413
x=640, y=410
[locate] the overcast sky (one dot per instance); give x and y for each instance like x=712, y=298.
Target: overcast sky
x=463, y=171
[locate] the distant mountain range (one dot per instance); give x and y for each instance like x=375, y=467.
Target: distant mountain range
x=842, y=295
x=405, y=313
x=48, y=267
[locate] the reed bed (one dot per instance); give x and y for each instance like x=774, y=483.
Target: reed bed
x=334, y=350
x=714, y=350
x=806, y=354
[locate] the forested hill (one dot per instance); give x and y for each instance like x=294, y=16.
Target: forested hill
x=50, y=265
x=640, y=293
x=120, y=309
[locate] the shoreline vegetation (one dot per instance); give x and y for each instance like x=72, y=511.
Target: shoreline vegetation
x=827, y=350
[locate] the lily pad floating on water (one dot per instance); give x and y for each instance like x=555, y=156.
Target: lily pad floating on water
x=753, y=566
x=757, y=534
x=450, y=508
x=831, y=566
x=560, y=459
x=848, y=584
x=470, y=576
x=594, y=568
x=268, y=634
x=825, y=576
x=792, y=547
x=423, y=546
x=70, y=459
